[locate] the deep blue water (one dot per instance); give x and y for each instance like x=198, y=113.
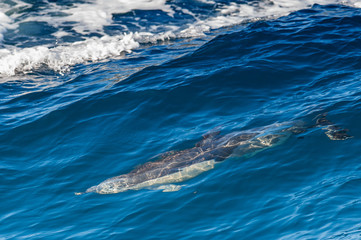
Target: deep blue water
x=64, y=131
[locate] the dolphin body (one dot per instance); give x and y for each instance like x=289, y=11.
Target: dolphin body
x=178, y=166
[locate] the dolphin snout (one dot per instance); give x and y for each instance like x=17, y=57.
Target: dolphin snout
x=91, y=189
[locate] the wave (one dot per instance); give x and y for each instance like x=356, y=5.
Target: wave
x=95, y=16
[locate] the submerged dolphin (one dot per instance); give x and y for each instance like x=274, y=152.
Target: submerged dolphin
x=178, y=166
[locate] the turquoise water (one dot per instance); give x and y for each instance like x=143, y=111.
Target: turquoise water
x=70, y=121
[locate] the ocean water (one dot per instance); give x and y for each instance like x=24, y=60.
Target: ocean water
x=90, y=89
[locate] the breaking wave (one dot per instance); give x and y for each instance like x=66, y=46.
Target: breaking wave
x=97, y=30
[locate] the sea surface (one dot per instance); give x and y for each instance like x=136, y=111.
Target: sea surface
x=90, y=89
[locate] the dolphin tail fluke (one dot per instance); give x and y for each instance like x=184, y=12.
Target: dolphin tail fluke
x=332, y=131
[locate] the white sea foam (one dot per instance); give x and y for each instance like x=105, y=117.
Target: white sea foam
x=97, y=14
x=352, y=3
x=234, y=14
x=94, y=15
x=60, y=58
x=5, y=23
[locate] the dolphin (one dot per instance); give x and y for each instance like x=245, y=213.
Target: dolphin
x=178, y=166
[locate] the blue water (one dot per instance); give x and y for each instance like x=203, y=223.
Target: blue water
x=62, y=132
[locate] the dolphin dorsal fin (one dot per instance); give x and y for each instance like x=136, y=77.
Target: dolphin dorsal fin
x=208, y=137
x=210, y=134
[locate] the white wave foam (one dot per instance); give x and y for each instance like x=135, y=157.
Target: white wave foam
x=352, y=3
x=5, y=23
x=95, y=15
x=60, y=58
x=234, y=14
x=8, y=10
